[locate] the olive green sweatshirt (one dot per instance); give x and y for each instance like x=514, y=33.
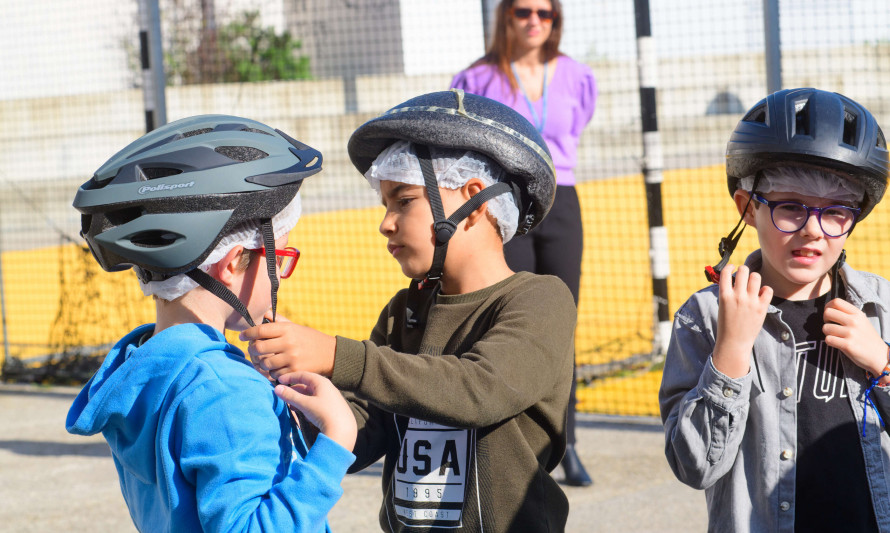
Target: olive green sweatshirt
x=468, y=410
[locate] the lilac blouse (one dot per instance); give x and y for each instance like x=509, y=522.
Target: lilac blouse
x=571, y=98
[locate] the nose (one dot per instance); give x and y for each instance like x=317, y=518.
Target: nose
x=388, y=224
x=813, y=226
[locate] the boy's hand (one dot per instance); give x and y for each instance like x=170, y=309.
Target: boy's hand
x=277, y=348
x=847, y=328
x=321, y=403
x=743, y=304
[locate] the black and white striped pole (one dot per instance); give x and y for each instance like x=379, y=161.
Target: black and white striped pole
x=653, y=163
x=152, y=61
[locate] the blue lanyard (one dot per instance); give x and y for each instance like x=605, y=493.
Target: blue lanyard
x=538, y=125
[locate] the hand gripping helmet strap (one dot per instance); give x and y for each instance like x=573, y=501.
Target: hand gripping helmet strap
x=728, y=243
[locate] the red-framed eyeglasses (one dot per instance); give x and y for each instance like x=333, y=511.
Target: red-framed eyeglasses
x=286, y=259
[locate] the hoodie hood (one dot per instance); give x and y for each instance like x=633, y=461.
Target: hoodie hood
x=125, y=397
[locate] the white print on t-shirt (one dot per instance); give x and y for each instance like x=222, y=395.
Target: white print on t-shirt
x=827, y=383
x=430, y=479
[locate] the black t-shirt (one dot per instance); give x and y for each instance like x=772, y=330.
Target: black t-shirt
x=832, y=491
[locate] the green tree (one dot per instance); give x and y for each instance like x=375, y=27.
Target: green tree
x=242, y=50
x=254, y=53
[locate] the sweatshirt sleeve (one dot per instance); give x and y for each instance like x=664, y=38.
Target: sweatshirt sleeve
x=373, y=424
x=241, y=478
x=525, y=355
x=704, y=411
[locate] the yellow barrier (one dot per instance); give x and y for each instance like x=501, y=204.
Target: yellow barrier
x=58, y=298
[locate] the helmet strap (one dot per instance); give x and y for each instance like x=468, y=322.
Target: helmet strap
x=221, y=291
x=835, y=276
x=271, y=268
x=728, y=243
x=446, y=227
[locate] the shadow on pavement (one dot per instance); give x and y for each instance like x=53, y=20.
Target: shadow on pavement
x=55, y=449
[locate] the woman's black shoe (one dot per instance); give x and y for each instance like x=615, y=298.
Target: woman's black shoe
x=575, y=475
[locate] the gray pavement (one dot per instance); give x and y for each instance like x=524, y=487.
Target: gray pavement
x=51, y=481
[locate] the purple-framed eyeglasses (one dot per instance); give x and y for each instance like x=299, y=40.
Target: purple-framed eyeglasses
x=790, y=217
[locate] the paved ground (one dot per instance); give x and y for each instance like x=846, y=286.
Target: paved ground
x=51, y=481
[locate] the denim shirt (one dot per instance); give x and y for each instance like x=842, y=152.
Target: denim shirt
x=737, y=438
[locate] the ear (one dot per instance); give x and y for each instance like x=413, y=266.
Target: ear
x=226, y=269
x=470, y=189
x=742, y=200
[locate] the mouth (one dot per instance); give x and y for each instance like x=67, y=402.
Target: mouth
x=806, y=253
x=393, y=248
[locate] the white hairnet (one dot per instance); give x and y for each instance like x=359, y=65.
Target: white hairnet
x=248, y=234
x=453, y=168
x=808, y=182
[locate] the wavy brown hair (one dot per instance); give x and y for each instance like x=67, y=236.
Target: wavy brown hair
x=502, y=42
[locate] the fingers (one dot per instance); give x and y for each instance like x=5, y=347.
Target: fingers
x=264, y=331
x=727, y=280
x=274, y=365
x=301, y=378
x=744, y=283
x=841, y=305
x=301, y=390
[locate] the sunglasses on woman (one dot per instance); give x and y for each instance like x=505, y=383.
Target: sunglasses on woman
x=523, y=13
x=286, y=260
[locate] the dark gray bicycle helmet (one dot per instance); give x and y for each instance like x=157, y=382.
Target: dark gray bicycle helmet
x=162, y=203
x=814, y=127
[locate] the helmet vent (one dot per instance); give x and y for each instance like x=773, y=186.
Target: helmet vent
x=155, y=238
x=851, y=121
x=254, y=130
x=153, y=173
x=758, y=114
x=85, y=222
x=802, y=118
x=881, y=142
x=119, y=217
x=201, y=131
x=241, y=153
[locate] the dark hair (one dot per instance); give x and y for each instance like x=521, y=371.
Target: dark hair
x=500, y=50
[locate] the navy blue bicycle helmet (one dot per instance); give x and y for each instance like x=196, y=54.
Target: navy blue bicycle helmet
x=807, y=127
x=811, y=127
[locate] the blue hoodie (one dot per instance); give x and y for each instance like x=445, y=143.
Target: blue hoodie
x=201, y=442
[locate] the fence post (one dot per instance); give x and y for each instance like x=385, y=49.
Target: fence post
x=488, y=9
x=152, y=59
x=3, y=309
x=653, y=163
x=772, y=45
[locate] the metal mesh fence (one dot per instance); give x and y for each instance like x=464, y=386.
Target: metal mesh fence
x=71, y=96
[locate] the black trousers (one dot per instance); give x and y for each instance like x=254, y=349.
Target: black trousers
x=554, y=247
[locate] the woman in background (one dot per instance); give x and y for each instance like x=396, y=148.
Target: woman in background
x=524, y=69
